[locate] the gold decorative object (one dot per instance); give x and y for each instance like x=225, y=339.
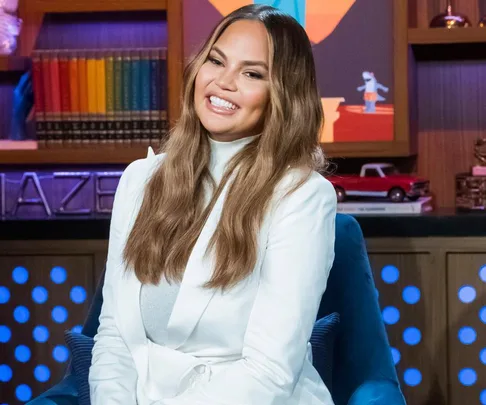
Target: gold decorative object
x=470, y=192
x=480, y=155
x=482, y=22
x=450, y=19
x=471, y=187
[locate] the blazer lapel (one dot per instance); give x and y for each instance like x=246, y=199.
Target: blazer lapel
x=193, y=299
x=131, y=323
x=128, y=295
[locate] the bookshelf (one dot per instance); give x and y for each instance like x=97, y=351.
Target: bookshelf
x=14, y=63
x=432, y=36
x=95, y=155
x=446, y=73
x=442, y=44
x=33, y=14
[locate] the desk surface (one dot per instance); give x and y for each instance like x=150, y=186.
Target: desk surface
x=446, y=223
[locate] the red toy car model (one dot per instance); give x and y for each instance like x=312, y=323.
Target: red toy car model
x=379, y=180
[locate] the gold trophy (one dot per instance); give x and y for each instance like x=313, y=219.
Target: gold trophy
x=450, y=19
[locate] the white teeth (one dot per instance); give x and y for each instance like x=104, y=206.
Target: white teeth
x=219, y=102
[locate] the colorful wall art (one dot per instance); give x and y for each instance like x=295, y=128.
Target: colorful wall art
x=353, y=50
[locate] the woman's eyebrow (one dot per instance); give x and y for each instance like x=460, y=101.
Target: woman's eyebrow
x=245, y=62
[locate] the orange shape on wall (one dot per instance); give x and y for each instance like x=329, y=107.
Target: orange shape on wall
x=321, y=16
x=227, y=6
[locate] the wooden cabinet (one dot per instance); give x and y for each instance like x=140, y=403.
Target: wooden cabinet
x=412, y=301
x=432, y=292
x=46, y=288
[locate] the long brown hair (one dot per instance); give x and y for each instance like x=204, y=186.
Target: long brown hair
x=173, y=214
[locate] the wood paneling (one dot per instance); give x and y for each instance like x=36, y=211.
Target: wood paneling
x=31, y=25
x=99, y=155
x=451, y=110
x=463, y=270
x=450, y=94
x=439, y=36
x=428, y=356
x=175, y=59
x=14, y=63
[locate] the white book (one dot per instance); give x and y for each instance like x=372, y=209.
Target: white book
x=420, y=206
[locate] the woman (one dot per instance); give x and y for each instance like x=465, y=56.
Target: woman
x=220, y=247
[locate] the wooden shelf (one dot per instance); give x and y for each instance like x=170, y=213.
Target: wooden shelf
x=86, y=155
x=14, y=63
x=80, y=6
x=433, y=36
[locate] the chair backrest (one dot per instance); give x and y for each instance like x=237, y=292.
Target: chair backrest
x=362, y=352
x=92, y=321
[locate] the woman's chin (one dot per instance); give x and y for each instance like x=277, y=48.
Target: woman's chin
x=214, y=128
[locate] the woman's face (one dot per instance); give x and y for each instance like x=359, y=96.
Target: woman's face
x=232, y=87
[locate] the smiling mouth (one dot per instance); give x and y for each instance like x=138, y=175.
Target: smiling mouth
x=222, y=103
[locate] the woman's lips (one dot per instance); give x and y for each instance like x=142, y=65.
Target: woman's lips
x=219, y=110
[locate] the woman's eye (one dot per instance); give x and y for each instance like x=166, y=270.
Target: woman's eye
x=254, y=75
x=214, y=61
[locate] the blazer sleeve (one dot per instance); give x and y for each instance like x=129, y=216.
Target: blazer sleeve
x=295, y=269
x=112, y=375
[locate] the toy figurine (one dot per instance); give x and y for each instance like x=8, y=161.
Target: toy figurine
x=380, y=180
x=371, y=88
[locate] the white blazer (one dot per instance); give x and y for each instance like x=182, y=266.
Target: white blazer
x=248, y=346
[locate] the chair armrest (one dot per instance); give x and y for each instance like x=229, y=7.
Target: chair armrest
x=56, y=400
x=377, y=392
x=63, y=393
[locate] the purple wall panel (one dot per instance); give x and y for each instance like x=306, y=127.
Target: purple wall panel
x=6, y=97
x=103, y=30
x=8, y=81
x=452, y=95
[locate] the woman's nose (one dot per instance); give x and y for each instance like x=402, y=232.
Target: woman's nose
x=226, y=81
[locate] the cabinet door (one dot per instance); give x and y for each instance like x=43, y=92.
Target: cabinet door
x=41, y=296
x=467, y=327
x=411, y=290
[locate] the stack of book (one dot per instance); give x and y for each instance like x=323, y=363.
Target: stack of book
x=85, y=98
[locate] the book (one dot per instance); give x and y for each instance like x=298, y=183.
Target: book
x=422, y=205
x=74, y=103
x=39, y=105
x=88, y=97
x=110, y=99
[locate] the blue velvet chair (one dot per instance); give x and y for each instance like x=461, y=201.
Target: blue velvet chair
x=362, y=372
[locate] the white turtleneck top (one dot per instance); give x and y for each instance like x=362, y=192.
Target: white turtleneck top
x=157, y=301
